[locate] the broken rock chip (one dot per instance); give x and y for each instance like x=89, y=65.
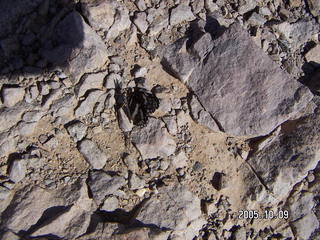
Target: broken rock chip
x=102, y=184
x=12, y=95
x=92, y=153
x=153, y=140
x=174, y=208
x=237, y=83
x=287, y=159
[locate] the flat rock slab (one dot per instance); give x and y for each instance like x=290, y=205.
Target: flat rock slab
x=236, y=82
x=153, y=140
x=174, y=208
x=93, y=154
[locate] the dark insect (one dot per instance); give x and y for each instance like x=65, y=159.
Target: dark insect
x=141, y=103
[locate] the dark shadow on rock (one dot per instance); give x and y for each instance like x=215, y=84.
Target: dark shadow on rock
x=311, y=77
x=37, y=35
x=48, y=216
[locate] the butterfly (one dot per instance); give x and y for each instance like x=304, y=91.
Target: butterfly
x=140, y=104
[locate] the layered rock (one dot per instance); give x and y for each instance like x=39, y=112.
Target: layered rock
x=236, y=82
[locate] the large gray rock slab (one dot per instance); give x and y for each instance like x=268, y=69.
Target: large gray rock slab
x=287, y=158
x=174, y=208
x=236, y=82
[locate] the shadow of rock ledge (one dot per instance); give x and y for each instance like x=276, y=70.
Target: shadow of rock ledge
x=46, y=34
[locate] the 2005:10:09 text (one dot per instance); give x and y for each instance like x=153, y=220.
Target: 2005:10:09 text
x=267, y=214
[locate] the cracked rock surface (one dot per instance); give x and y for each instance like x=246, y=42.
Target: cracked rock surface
x=154, y=119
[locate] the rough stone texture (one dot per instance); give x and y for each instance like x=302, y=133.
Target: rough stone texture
x=87, y=105
x=92, y=153
x=313, y=55
x=17, y=170
x=302, y=206
x=175, y=208
x=102, y=184
x=89, y=52
x=73, y=222
x=92, y=81
x=110, y=204
x=286, y=160
x=77, y=130
x=314, y=7
x=140, y=20
x=200, y=115
x=181, y=13
x=153, y=140
x=111, y=16
x=305, y=226
x=12, y=95
x=297, y=33
x=240, y=86
x=21, y=213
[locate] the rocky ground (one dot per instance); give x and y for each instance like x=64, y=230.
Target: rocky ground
x=159, y=119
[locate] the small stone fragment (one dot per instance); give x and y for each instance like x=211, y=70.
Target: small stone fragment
x=77, y=130
x=313, y=55
x=110, y=204
x=12, y=95
x=102, y=184
x=92, y=153
x=135, y=182
x=140, y=20
x=17, y=170
x=181, y=13
x=305, y=226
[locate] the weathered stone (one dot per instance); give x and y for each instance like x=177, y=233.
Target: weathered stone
x=4, y=193
x=256, y=19
x=89, y=52
x=124, y=122
x=109, y=16
x=77, y=130
x=180, y=160
x=297, y=33
x=141, y=5
x=10, y=116
x=313, y=55
x=302, y=205
x=140, y=20
x=237, y=84
x=87, y=105
x=135, y=182
x=93, y=154
x=112, y=80
x=17, y=170
x=92, y=81
x=100, y=14
x=153, y=140
x=110, y=204
x=180, y=14
x=73, y=222
x=248, y=6
x=174, y=208
x=21, y=213
x=314, y=7
x=305, y=226
x=102, y=184
x=177, y=61
x=199, y=114
x=12, y=95
x=32, y=116
x=288, y=158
